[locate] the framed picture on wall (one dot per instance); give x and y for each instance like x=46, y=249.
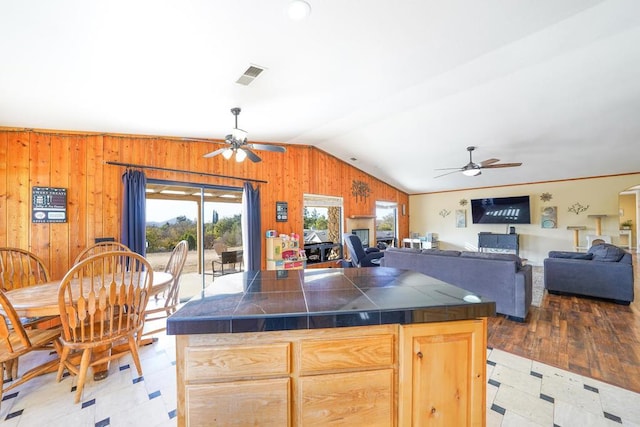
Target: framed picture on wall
x=549, y=217
x=461, y=218
x=282, y=212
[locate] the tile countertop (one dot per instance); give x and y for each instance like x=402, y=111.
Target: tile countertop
x=257, y=301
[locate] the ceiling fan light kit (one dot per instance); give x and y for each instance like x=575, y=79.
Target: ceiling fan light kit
x=237, y=143
x=472, y=172
x=240, y=155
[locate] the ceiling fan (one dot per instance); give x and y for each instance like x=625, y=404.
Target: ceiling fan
x=238, y=144
x=474, y=169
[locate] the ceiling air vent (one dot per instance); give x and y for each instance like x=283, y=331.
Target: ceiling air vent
x=249, y=75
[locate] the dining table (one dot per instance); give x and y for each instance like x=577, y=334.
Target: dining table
x=42, y=300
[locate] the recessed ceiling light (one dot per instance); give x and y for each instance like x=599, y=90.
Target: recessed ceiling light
x=353, y=159
x=298, y=10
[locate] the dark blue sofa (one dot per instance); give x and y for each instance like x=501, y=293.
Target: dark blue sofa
x=605, y=271
x=498, y=277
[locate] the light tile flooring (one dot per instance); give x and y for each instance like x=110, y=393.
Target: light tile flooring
x=520, y=392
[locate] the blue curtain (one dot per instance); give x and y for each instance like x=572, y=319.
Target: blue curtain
x=251, y=233
x=134, y=211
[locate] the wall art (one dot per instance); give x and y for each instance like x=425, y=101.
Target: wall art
x=549, y=217
x=461, y=218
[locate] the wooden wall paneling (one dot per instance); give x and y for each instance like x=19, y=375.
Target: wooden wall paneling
x=112, y=187
x=180, y=155
x=18, y=200
x=39, y=176
x=67, y=170
x=295, y=180
x=4, y=150
x=96, y=188
x=81, y=224
x=93, y=222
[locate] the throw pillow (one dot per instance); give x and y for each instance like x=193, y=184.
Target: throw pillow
x=606, y=252
x=570, y=255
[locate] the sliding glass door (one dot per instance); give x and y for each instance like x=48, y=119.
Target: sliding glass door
x=208, y=217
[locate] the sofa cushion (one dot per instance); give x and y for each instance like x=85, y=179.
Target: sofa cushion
x=606, y=252
x=570, y=255
x=441, y=252
x=494, y=256
x=408, y=250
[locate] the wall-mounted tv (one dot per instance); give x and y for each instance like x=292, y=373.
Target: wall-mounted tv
x=501, y=210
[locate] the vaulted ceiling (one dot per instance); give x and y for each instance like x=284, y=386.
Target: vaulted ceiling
x=401, y=86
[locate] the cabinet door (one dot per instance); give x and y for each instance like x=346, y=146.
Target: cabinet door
x=442, y=374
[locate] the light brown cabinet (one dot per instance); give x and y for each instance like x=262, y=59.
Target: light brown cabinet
x=342, y=376
x=442, y=374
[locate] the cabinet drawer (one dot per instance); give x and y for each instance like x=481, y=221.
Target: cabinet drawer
x=363, y=398
x=349, y=353
x=239, y=403
x=215, y=363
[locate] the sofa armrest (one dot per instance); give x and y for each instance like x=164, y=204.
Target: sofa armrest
x=523, y=290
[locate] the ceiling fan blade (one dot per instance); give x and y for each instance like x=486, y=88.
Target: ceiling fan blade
x=266, y=147
x=449, y=173
x=215, y=153
x=502, y=165
x=489, y=162
x=447, y=169
x=251, y=155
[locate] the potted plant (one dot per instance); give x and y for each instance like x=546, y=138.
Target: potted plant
x=626, y=225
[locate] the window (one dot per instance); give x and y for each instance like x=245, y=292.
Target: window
x=387, y=222
x=322, y=217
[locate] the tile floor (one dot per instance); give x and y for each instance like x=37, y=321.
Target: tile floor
x=520, y=392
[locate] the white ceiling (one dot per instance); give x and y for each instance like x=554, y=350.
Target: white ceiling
x=403, y=86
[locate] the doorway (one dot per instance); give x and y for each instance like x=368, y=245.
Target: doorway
x=202, y=215
x=629, y=211
x=387, y=223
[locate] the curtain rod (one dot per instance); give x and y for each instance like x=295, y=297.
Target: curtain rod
x=130, y=165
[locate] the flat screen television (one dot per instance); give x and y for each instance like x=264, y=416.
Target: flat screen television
x=501, y=210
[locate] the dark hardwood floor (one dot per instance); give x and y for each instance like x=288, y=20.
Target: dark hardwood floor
x=589, y=337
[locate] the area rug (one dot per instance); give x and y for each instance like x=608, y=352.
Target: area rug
x=538, y=285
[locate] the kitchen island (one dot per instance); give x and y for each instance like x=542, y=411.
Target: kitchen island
x=356, y=346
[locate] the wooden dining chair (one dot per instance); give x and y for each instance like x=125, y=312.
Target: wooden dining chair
x=102, y=301
x=158, y=309
x=99, y=248
x=16, y=341
x=20, y=268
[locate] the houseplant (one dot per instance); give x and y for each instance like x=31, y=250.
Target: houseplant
x=626, y=225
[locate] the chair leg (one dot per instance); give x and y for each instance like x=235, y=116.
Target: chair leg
x=134, y=354
x=63, y=360
x=10, y=370
x=82, y=373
